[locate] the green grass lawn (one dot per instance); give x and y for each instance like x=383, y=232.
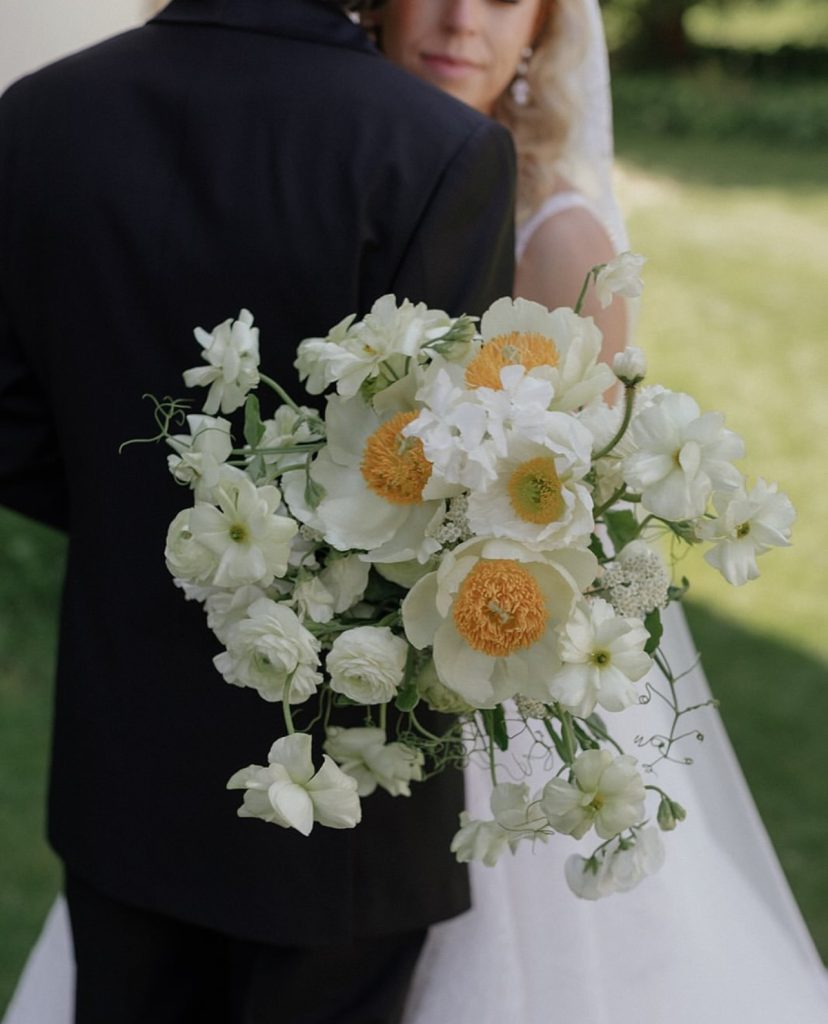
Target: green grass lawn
x=736, y=312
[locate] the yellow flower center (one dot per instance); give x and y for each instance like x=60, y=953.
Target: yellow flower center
x=238, y=533
x=529, y=349
x=535, y=491
x=597, y=802
x=393, y=466
x=600, y=658
x=742, y=530
x=499, y=608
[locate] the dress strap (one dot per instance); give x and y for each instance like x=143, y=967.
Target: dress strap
x=557, y=203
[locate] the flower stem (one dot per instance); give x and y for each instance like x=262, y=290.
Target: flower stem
x=280, y=391
x=286, y=706
x=629, y=400
x=579, y=305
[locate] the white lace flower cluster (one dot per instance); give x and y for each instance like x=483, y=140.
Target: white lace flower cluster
x=463, y=525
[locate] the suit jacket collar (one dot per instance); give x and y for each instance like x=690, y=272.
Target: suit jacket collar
x=313, y=20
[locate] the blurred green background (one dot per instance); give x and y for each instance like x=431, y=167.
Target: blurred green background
x=722, y=139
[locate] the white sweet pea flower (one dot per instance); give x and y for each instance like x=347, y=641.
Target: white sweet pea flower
x=187, y=558
x=364, y=754
x=289, y=427
x=490, y=611
x=374, y=481
x=538, y=496
x=269, y=649
x=621, y=276
x=630, y=366
x=617, y=868
x=605, y=792
x=290, y=793
x=558, y=346
x=243, y=529
x=516, y=818
x=367, y=664
x=746, y=525
x=225, y=608
x=681, y=455
x=603, y=657
x=200, y=454
x=479, y=840
x=373, y=350
x=345, y=579
x=231, y=351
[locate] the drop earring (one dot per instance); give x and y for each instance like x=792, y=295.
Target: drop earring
x=521, y=92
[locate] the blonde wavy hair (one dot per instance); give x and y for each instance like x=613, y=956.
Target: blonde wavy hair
x=541, y=127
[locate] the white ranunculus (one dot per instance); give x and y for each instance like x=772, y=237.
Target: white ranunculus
x=231, y=351
x=269, y=648
x=289, y=792
x=605, y=792
x=367, y=664
x=680, y=457
x=602, y=657
x=630, y=366
x=617, y=868
x=746, y=525
x=621, y=276
x=364, y=754
x=200, y=453
x=244, y=530
x=490, y=611
x=187, y=558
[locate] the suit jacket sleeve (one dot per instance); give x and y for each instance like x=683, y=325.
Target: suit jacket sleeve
x=461, y=257
x=31, y=471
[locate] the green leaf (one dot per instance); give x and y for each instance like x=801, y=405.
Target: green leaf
x=622, y=527
x=495, y=721
x=597, y=548
x=585, y=741
x=253, y=426
x=652, y=623
x=408, y=696
x=558, y=743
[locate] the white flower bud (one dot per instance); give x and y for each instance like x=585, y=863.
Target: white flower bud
x=630, y=366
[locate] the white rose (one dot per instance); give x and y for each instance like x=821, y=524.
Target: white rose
x=367, y=664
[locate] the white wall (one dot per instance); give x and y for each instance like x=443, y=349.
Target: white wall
x=35, y=32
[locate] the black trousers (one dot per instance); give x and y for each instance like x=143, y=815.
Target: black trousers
x=138, y=967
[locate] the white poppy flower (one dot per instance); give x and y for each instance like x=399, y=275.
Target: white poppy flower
x=290, y=793
x=606, y=792
x=681, y=455
x=268, y=648
x=231, y=351
x=621, y=276
x=558, y=346
x=490, y=611
x=603, y=656
x=250, y=540
x=374, y=481
x=200, y=453
x=364, y=754
x=367, y=664
x=617, y=868
x=746, y=525
x=538, y=496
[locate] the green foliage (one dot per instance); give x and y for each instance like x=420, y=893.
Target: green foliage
x=708, y=104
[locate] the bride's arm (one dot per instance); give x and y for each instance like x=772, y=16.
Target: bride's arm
x=558, y=257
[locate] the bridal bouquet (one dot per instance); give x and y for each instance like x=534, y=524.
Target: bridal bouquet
x=463, y=527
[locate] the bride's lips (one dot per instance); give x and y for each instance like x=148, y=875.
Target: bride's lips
x=444, y=66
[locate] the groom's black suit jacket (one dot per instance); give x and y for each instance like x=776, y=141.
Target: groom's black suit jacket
x=253, y=153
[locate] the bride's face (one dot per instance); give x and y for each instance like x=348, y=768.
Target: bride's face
x=469, y=48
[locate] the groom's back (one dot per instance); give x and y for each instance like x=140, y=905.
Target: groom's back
x=263, y=157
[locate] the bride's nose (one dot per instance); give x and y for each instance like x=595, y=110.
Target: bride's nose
x=461, y=16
